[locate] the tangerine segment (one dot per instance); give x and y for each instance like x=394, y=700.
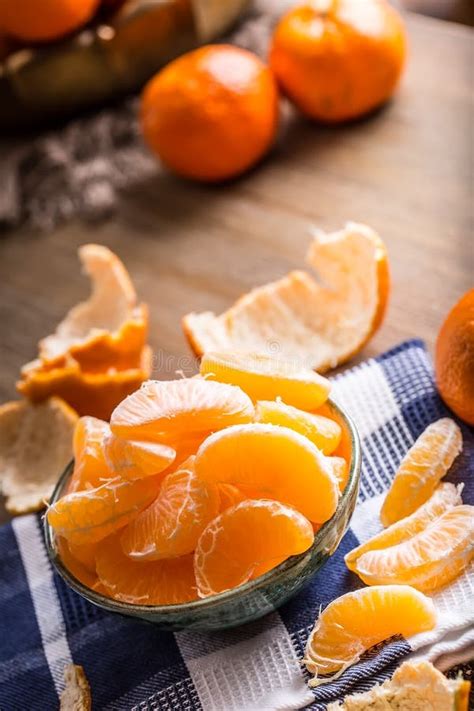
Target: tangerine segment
x=266, y=378
x=358, y=620
x=423, y=466
x=134, y=460
x=160, y=582
x=443, y=499
x=166, y=411
x=246, y=541
x=229, y=495
x=171, y=526
x=340, y=470
x=90, y=466
x=85, y=553
x=323, y=432
x=91, y=515
x=435, y=555
x=84, y=574
x=272, y=462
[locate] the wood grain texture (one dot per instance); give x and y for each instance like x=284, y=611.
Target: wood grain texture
x=405, y=171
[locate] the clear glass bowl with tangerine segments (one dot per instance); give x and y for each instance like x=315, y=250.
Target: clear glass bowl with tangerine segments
x=255, y=598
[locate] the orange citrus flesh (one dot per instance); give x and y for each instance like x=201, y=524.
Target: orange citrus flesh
x=85, y=553
x=428, y=460
x=246, y=541
x=91, y=515
x=83, y=573
x=274, y=461
x=340, y=470
x=159, y=582
x=90, y=466
x=229, y=495
x=29, y=23
x=135, y=460
x=168, y=411
x=266, y=378
x=443, y=499
x=171, y=526
x=323, y=432
x=358, y=620
x=437, y=554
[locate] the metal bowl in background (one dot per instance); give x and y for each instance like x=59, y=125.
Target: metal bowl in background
x=106, y=60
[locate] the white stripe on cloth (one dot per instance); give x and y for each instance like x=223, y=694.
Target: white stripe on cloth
x=44, y=596
x=255, y=673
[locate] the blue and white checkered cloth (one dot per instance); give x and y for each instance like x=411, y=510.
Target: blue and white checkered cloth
x=132, y=665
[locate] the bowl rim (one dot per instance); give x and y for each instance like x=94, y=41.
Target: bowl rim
x=270, y=576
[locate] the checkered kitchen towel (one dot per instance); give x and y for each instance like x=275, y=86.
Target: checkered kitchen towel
x=132, y=665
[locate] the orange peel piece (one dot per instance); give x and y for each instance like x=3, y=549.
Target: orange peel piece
x=76, y=695
x=319, y=324
x=109, y=327
x=35, y=447
x=94, y=394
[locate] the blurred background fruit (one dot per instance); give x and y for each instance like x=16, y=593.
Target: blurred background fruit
x=212, y=113
x=338, y=61
x=454, y=359
x=31, y=21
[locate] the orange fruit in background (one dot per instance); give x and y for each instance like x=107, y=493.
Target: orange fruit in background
x=212, y=113
x=337, y=60
x=358, y=620
x=44, y=20
x=271, y=462
x=454, y=359
x=158, y=582
x=171, y=526
x=425, y=463
x=246, y=541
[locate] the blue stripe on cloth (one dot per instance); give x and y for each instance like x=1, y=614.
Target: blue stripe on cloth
x=132, y=665
x=25, y=679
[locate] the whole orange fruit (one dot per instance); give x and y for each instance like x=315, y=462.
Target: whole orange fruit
x=339, y=59
x=212, y=113
x=454, y=359
x=44, y=20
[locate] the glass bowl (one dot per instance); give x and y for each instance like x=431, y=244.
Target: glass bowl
x=256, y=598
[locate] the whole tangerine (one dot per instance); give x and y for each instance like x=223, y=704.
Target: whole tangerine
x=212, y=113
x=27, y=21
x=454, y=358
x=339, y=59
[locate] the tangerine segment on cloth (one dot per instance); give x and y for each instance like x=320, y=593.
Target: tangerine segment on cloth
x=212, y=113
x=167, y=411
x=246, y=541
x=265, y=377
x=324, y=53
x=35, y=447
x=171, y=526
x=454, y=359
x=428, y=460
x=322, y=431
x=159, y=582
x=94, y=394
x=444, y=498
x=319, y=323
x=23, y=19
x=358, y=620
x=90, y=466
x=273, y=462
x=439, y=553
x=91, y=515
x=134, y=460
x=110, y=328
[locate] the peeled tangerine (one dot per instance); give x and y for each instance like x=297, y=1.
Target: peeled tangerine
x=246, y=541
x=91, y=515
x=358, y=620
x=271, y=462
x=266, y=378
x=316, y=323
x=170, y=411
x=428, y=460
x=171, y=526
x=432, y=558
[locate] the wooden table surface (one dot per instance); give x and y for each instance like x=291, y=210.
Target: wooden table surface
x=405, y=171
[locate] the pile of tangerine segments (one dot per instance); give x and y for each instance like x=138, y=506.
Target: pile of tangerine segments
x=201, y=484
